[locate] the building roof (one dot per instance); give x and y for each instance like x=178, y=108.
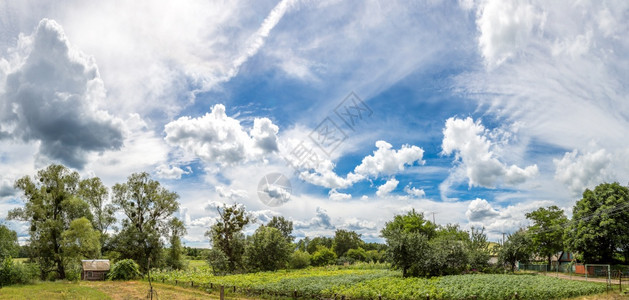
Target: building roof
x=95, y=264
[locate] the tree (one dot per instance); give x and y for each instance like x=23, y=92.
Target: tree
x=80, y=241
x=317, y=242
x=174, y=257
x=284, y=226
x=9, y=246
x=226, y=235
x=478, y=248
x=445, y=256
x=299, y=260
x=268, y=250
x=345, y=240
x=323, y=257
x=407, y=237
x=547, y=230
x=598, y=229
x=358, y=254
x=50, y=206
x=516, y=248
x=148, y=207
x=95, y=194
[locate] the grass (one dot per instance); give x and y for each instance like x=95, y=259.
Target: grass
x=196, y=264
x=100, y=290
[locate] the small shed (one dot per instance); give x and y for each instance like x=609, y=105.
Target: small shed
x=95, y=269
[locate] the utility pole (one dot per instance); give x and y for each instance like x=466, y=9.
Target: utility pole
x=503, y=238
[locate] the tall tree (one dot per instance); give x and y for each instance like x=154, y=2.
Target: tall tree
x=176, y=230
x=478, y=248
x=345, y=240
x=50, y=206
x=319, y=241
x=148, y=207
x=516, y=248
x=408, y=239
x=598, y=229
x=80, y=241
x=96, y=194
x=547, y=230
x=268, y=250
x=8, y=243
x=226, y=235
x=284, y=226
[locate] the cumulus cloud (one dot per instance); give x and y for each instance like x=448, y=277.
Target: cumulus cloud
x=234, y=195
x=337, y=196
x=387, y=187
x=170, y=172
x=357, y=224
x=387, y=161
x=321, y=220
x=383, y=161
x=415, y=192
x=51, y=94
x=219, y=139
x=581, y=171
x=468, y=140
x=506, y=27
x=480, y=209
x=6, y=188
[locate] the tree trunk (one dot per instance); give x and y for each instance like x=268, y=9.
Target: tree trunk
x=550, y=257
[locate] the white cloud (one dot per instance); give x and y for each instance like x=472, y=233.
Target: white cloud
x=53, y=94
x=357, y=224
x=337, y=196
x=415, y=192
x=321, y=220
x=219, y=139
x=579, y=172
x=468, y=140
x=233, y=195
x=170, y=172
x=506, y=27
x=387, y=187
x=480, y=209
x=387, y=161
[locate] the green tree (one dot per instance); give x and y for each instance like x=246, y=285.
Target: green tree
x=148, y=207
x=50, y=206
x=358, y=254
x=80, y=241
x=319, y=241
x=226, y=235
x=598, y=229
x=9, y=246
x=547, y=230
x=516, y=248
x=284, y=226
x=93, y=192
x=268, y=250
x=299, y=260
x=323, y=257
x=478, y=248
x=445, y=256
x=174, y=258
x=407, y=237
x=345, y=240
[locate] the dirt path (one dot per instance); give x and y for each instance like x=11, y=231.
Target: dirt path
x=564, y=276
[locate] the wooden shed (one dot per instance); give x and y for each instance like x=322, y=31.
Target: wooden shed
x=95, y=269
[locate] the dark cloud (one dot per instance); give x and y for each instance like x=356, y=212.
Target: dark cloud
x=52, y=98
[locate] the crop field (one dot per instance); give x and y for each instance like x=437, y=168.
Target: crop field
x=371, y=281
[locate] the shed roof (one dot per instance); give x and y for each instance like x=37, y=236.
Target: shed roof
x=95, y=264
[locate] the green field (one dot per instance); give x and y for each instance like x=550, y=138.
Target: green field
x=370, y=281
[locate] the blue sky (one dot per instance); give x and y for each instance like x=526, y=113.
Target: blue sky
x=480, y=110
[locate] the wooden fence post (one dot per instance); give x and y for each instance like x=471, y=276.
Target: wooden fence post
x=234, y=288
x=192, y=283
x=222, y=292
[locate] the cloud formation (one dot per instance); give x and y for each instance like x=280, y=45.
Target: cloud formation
x=387, y=187
x=581, y=171
x=52, y=94
x=216, y=138
x=468, y=141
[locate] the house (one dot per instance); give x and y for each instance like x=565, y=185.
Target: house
x=94, y=269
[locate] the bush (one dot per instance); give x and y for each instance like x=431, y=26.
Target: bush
x=73, y=271
x=323, y=257
x=16, y=273
x=357, y=254
x=218, y=261
x=125, y=269
x=299, y=260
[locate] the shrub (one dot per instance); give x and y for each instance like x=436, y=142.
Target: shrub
x=299, y=260
x=357, y=254
x=323, y=257
x=125, y=269
x=16, y=273
x=218, y=261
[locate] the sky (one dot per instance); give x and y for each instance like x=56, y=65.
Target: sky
x=333, y=114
